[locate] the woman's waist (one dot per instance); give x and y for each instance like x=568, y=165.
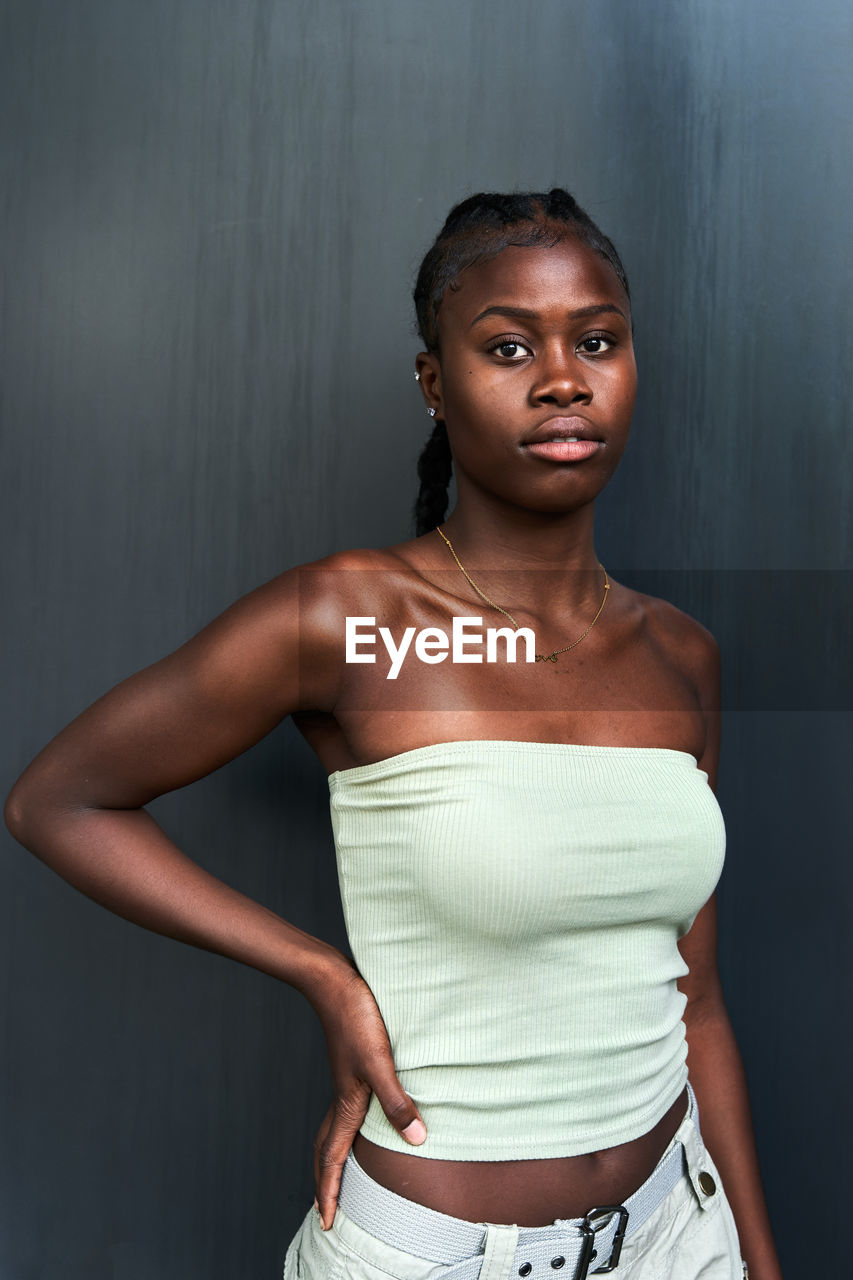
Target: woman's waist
x=544, y=1105
x=558, y=1019
x=530, y=1192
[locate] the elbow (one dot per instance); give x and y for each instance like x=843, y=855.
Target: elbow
x=25, y=810
x=37, y=798
x=706, y=1014
x=17, y=813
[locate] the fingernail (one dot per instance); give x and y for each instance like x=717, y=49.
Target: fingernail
x=319, y=1214
x=415, y=1132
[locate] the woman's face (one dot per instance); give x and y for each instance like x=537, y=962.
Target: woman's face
x=535, y=345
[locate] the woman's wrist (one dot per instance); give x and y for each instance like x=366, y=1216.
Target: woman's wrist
x=321, y=972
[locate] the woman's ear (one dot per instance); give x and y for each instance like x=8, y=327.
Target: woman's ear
x=428, y=372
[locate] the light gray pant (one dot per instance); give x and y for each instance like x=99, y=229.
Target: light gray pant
x=692, y=1234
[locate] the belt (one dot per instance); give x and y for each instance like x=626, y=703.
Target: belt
x=583, y=1246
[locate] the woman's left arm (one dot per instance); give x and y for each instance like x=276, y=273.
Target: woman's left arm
x=713, y=1059
x=718, y=1079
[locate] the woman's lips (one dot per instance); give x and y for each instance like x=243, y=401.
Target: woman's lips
x=565, y=450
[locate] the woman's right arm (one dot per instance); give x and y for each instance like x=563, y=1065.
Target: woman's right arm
x=79, y=805
x=79, y=808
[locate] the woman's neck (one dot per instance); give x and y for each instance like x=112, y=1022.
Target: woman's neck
x=538, y=563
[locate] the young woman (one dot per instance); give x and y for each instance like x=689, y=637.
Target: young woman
x=522, y=754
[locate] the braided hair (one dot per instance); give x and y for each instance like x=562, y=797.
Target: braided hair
x=477, y=229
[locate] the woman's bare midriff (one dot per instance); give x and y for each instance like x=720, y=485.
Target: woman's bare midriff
x=530, y=1193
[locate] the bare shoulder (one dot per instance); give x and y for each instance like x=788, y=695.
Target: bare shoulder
x=401, y=557
x=349, y=579
x=313, y=580
x=319, y=595
x=356, y=558
x=681, y=640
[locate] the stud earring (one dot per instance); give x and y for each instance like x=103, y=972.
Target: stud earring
x=417, y=376
x=431, y=412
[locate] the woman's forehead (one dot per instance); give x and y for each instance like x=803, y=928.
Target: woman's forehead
x=567, y=274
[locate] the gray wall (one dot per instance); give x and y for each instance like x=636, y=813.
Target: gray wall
x=212, y=212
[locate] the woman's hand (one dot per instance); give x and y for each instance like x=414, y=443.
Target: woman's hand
x=361, y=1062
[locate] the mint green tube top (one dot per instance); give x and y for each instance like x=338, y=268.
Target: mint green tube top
x=514, y=907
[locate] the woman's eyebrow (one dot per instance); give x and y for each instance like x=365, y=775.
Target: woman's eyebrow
x=523, y=313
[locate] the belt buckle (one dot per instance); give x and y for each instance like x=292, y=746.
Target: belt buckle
x=589, y=1232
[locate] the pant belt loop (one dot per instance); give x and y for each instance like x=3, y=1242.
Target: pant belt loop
x=499, y=1253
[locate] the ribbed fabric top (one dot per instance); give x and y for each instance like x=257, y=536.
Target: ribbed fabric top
x=514, y=907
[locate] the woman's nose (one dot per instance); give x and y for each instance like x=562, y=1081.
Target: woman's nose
x=561, y=380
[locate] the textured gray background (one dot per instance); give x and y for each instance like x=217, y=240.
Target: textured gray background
x=212, y=212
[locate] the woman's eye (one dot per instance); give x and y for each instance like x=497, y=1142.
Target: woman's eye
x=596, y=344
x=511, y=350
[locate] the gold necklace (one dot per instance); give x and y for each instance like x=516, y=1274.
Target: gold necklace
x=540, y=657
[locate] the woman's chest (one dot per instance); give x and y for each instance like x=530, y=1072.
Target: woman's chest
x=526, y=836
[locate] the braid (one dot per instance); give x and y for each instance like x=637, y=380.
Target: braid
x=476, y=229
x=435, y=465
